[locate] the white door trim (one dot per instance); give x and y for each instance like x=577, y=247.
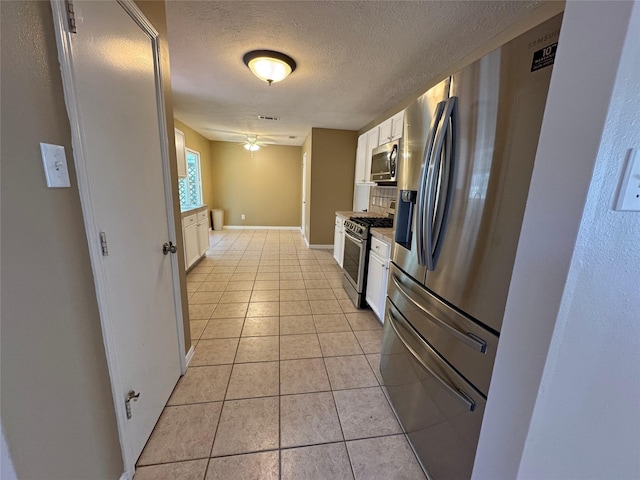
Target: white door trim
x=63, y=41
x=303, y=220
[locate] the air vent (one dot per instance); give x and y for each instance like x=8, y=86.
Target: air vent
x=262, y=117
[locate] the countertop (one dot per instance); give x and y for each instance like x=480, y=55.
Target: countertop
x=347, y=214
x=189, y=209
x=384, y=234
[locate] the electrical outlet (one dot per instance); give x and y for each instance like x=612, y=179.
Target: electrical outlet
x=242, y=217
x=629, y=194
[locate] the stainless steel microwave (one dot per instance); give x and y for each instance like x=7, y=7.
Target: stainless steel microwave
x=384, y=162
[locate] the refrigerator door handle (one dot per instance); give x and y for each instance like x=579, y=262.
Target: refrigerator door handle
x=422, y=194
x=468, y=339
x=456, y=392
x=440, y=183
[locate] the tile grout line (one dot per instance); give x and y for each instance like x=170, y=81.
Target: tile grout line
x=283, y=251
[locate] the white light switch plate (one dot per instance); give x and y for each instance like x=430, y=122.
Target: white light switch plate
x=629, y=194
x=55, y=165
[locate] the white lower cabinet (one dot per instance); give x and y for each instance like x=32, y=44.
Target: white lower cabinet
x=191, y=253
x=377, y=277
x=195, y=234
x=338, y=241
x=203, y=232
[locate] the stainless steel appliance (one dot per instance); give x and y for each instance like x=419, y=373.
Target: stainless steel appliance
x=466, y=159
x=384, y=163
x=356, y=259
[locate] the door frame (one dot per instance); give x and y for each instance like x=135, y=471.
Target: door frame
x=63, y=41
x=303, y=220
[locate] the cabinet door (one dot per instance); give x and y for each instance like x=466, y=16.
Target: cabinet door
x=397, y=124
x=338, y=241
x=384, y=131
x=191, y=245
x=203, y=237
x=181, y=154
x=361, y=198
x=375, y=284
x=372, y=142
x=361, y=159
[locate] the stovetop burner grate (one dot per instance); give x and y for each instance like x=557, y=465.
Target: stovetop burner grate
x=375, y=222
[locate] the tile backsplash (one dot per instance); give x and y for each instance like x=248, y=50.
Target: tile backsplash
x=381, y=198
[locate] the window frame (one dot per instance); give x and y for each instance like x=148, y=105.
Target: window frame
x=196, y=155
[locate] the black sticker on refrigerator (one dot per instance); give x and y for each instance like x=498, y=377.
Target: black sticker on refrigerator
x=544, y=57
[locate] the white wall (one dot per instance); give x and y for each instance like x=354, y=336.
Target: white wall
x=576, y=277
x=6, y=464
x=591, y=383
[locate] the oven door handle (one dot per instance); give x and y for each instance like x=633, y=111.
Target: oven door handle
x=456, y=392
x=354, y=238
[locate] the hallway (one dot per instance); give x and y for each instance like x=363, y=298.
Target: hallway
x=284, y=383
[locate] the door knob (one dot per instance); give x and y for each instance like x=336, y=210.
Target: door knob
x=169, y=247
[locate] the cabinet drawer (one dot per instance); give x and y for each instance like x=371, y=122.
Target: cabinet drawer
x=339, y=222
x=202, y=216
x=380, y=247
x=189, y=220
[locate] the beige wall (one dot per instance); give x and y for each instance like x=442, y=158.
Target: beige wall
x=57, y=408
x=267, y=188
x=197, y=142
x=332, y=179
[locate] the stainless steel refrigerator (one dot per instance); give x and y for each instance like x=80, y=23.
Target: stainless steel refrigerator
x=466, y=159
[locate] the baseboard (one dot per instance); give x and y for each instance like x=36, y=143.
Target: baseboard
x=257, y=227
x=322, y=247
x=189, y=356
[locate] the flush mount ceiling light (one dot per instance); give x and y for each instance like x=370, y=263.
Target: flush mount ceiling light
x=268, y=65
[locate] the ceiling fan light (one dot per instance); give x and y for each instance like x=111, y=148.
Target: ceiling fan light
x=252, y=147
x=268, y=65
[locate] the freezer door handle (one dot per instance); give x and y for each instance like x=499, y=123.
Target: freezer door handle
x=456, y=392
x=421, y=227
x=440, y=182
x=467, y=338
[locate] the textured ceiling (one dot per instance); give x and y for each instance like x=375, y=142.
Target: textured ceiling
x=356, y=59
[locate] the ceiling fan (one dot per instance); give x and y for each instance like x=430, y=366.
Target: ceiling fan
x=252, y=144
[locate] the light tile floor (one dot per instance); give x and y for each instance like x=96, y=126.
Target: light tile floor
x=284, y=383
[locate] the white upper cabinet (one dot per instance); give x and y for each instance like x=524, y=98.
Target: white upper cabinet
x=387, y=131
x=366, y=142
x=181, y=153
x=372, y=142
x=384, y=130
x=361, y=159
x=397, y=124
x=391, y=128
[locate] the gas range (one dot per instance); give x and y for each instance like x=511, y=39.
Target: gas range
x=356, y=255
x=360, y=226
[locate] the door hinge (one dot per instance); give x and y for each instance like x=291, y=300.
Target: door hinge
x=127, y=402
x=71, y=16
x=103, y=244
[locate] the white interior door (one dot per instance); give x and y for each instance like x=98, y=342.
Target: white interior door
x=303, y=222
x=112, y=89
